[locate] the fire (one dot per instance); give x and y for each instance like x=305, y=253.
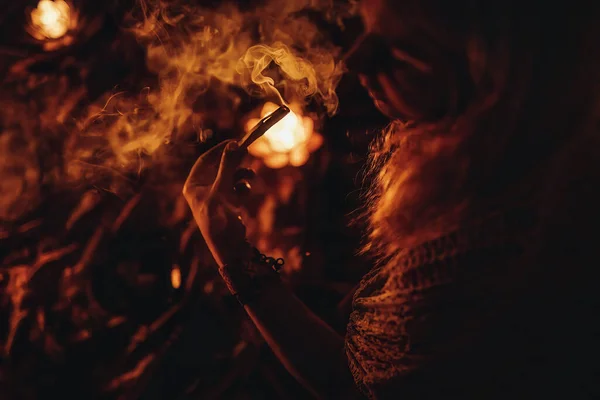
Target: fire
x=51, y=19
x=289, y=142
x=54, y=143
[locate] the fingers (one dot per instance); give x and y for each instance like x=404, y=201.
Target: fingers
x=226, y=177
x=216, y=176
x=204, y=171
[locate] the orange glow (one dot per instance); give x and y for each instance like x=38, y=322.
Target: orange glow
x=51, y=19
x=289, y=142
x=176, y=277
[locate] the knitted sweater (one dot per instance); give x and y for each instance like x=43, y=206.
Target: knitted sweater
x=463, y=316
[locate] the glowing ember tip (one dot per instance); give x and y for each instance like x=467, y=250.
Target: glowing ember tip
x=51, y=18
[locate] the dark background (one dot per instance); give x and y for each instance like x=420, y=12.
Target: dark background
x=98, y=317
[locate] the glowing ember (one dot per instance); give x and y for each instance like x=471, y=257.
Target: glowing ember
x=176, y=277
x=289, y=142
x=51, y=18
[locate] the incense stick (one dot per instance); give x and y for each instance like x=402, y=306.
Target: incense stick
x=263, y=126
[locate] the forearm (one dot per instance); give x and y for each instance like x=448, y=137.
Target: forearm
x=308, y=348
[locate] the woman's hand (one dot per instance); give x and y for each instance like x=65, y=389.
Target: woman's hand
x=214, y=204
x=308, y=348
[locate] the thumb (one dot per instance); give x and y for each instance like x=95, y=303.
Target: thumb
x=230, y=161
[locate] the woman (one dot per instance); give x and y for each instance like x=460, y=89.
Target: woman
x=478, y=212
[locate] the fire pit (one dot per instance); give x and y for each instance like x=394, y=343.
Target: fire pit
x=101, y=266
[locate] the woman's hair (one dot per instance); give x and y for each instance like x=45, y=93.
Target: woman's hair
x=518, y=86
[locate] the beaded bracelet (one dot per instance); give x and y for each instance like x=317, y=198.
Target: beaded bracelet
x=247, y=280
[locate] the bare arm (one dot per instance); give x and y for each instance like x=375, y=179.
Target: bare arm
x=308, y=348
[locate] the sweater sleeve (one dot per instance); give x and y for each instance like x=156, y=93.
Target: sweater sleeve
x=424, y=308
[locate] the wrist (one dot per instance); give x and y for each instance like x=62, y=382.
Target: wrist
x=249, y=278
x=241, y=252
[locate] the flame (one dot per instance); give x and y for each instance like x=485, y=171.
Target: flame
x=289, y=142
x=51, y=18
